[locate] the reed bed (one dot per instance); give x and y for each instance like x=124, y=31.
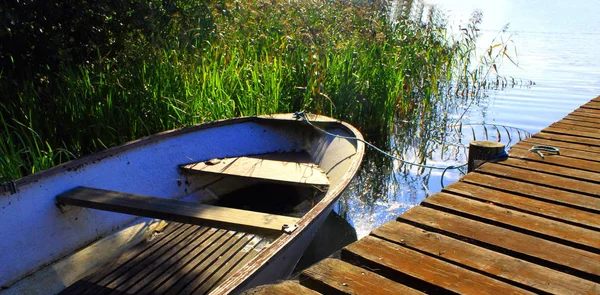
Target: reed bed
x=358, y=62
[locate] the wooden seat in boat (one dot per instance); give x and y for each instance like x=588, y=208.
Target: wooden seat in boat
x=179, y=211
x=264, y=167
x=184, y=259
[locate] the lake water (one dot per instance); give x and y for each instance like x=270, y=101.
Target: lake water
x=556, y=43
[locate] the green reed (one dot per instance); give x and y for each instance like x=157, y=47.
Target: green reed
x=348, y=60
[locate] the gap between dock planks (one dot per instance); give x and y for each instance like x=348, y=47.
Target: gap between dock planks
x=525, y=225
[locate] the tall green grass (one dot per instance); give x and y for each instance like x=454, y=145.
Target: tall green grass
x=345, y=59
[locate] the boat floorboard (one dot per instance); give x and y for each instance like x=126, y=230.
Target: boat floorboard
x=183, y=259
x=526, y=225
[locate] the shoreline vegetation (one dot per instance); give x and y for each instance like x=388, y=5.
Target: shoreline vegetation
x=78, y=78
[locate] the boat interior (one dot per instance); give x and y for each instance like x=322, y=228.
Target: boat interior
x=235, y=208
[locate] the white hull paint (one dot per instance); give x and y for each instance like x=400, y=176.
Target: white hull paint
x=37, y=233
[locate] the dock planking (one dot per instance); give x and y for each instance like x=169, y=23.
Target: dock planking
x=525, y=225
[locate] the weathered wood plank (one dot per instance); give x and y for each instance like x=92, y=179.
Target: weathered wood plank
x=125, y=261
x=528, y=205
x=332, y=276
x=587, y=113
x=554, y=164
x=568, y=138
x=122, y=272
x=196, y=266
x=563, y=258
x=571, y=131
x=591, y=105
x=548, y=229
x=179, y=211
x=524, y=274
x=577, y=121
x=571, y=150
x=283, y=288
x=162, y=268
x=299, y=173
x=562, y=125
x=421, y=271
x=542, y=193
x=582, y=118
x=549, y=180
x=239, y=259
x=152, y=267
x=208, y=272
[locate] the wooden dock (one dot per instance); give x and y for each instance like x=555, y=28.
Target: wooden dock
x=526, y=225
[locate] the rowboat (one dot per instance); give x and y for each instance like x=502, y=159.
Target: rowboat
x=215, y=208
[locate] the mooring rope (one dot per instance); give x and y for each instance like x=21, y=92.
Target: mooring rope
x=302, y=115
x=546, y=148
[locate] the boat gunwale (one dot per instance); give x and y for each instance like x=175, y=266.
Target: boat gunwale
x=112, y=151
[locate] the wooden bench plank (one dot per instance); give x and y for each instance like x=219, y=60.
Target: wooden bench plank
x=568, y=138
x=429, y=274
x=542, y=193
x=168, y=209
x=554, y=164
x=332, y=276
x=284, y=288
x=568, y=184
x=567, y=259
x=548, y=229
x=524, y=274
x=300, y=173
x=524, y=204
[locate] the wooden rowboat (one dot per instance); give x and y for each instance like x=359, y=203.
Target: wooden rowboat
x=215, y=208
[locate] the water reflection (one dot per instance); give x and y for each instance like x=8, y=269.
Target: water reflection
x=385, y=188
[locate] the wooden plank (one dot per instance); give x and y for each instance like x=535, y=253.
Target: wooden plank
x=542, y=193
x=570, y=150
x=209, y=271
x=197, y=266
x=578, y=127
x=125, y=280
x=332, y=276
x=301, y=173
x=229, y=267
x=548, y=229
x=571, y=131
x=115, y=277
x=568, y=138
x=584, y=109
x=563, y=258
x=554, y=164
x=576, y=121
x=160, y=268
x=420, y=271
x=587, y=113
x=549, y=180
x=528, y=205
x=239, y=260
x=591, y=105
x=283, y=288
x=582, y=118
x=142, y=249
x=179, y=211
x=512, y=270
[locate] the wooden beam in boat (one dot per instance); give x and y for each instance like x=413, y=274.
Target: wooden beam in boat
x=300, y=173
x=175, y=210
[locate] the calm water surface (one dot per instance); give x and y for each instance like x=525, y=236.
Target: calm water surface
x=556, y=44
